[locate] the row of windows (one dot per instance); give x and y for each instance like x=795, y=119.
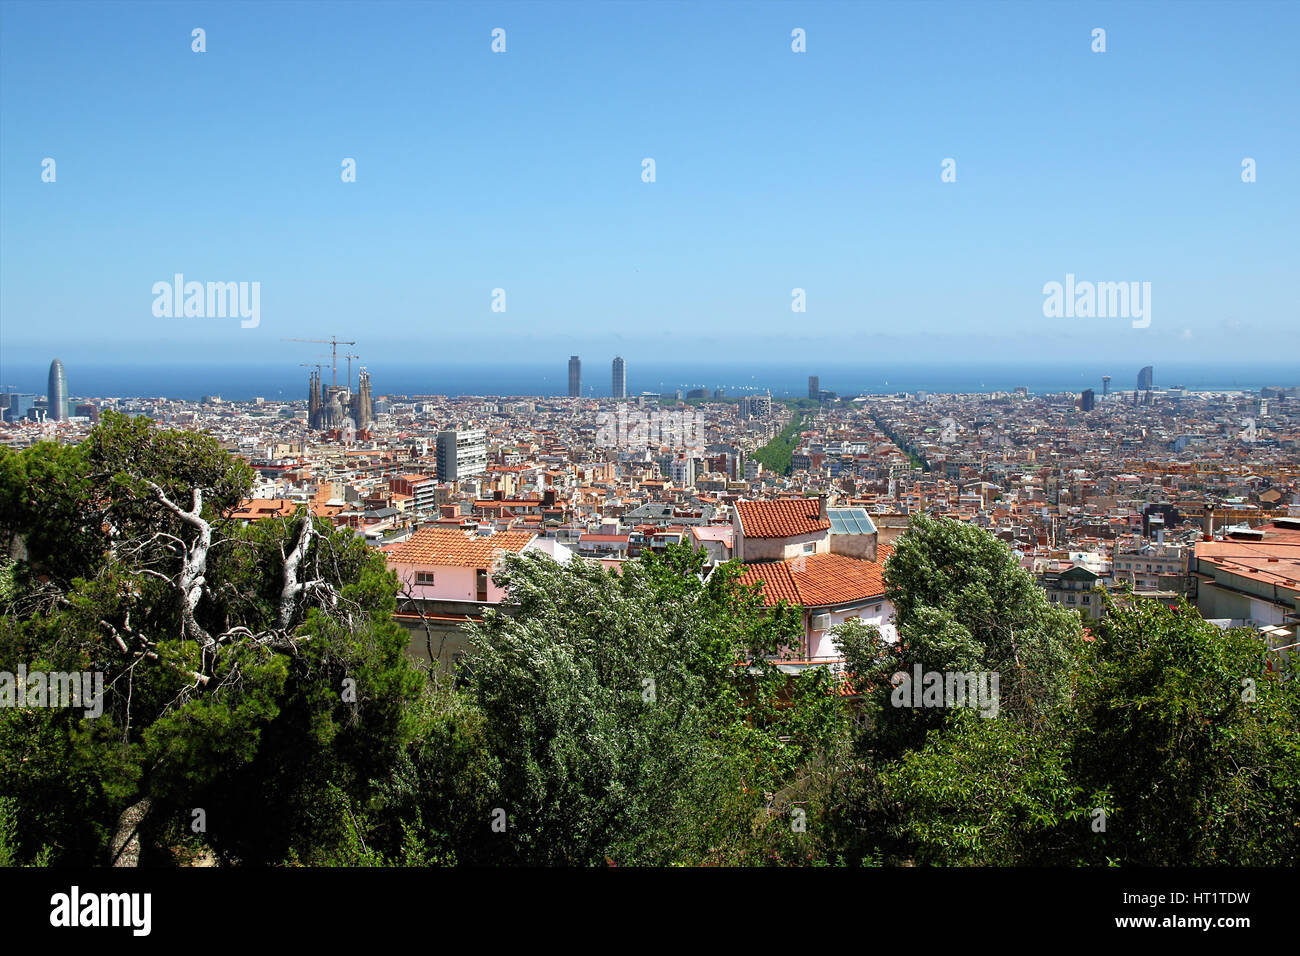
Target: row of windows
x=1087, y=598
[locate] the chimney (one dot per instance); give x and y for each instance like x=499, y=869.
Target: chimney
x=822, y=513
x=1207, y=525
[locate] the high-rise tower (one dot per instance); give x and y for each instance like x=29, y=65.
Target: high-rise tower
x=58, y=393
x=575, y=376
x=814, y=386
x=1105, y=385
x=1145, y=378
x=620, y=378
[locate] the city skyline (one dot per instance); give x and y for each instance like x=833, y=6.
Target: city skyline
x=279, y=384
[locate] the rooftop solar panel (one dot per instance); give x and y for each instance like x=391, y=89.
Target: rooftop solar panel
x=850, y=521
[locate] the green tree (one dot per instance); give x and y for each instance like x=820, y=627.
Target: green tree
x=963, y=603
x=635, y=716
x=1162, y=741
x=1197, y=744
x=248, y=672
x=777, y=455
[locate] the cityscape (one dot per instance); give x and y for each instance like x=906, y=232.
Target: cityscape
x=443, y=445
x=1172, y=493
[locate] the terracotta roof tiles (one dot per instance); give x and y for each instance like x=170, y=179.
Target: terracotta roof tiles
x=451, y=547
x=780, y=519
x=823, y=580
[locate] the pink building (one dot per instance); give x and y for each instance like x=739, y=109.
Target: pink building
x=446, y=564
x=446, y=574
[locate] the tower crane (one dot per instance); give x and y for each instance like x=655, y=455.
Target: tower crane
x=334, y=343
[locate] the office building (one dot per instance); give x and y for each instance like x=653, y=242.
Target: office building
x=1145, y=378
x=17, y=405
x=575, y=376
x=1105, y=385
x=1088, y=400
x=814, y=386
x=461, y=454
x=755, y=406
x=58, y=393
x=682, y=472
x=620, y=378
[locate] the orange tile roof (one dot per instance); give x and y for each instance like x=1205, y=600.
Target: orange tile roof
x=252, y=509
x=451, y=547
x=1273, y=559
x=826, y=579
x=780, y=519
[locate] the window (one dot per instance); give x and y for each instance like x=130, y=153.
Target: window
x=423, y=577
x=1087, y=599
x=810, y=547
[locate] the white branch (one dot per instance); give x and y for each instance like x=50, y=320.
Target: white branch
x=190, y=582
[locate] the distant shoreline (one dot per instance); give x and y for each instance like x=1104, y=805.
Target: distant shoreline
x=236, y=382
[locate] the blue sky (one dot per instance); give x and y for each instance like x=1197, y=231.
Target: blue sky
x=774, y=170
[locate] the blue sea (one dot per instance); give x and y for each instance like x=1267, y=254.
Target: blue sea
x=239, y=381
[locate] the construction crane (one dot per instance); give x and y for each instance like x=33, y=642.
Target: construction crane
x=350, y=357
x=334, y=344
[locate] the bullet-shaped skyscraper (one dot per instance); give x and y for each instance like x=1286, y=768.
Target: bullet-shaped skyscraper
x=58, y=393
x=575, y=376
x=620, y=378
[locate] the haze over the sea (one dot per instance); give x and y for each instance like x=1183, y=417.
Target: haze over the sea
x=237, y=381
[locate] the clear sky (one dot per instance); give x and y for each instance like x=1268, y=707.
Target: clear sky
x=774, y=170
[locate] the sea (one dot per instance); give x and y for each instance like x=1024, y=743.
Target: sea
x=235, y=381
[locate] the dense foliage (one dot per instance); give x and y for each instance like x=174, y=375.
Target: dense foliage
x=778, y=455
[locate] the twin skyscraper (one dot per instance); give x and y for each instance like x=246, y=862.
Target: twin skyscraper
x=618, y=384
